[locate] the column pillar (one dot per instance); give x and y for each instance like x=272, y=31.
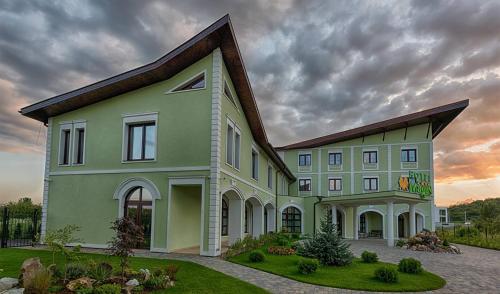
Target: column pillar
x=355, y=223
x=390, y=224
x=334, y=215
x=413, y=224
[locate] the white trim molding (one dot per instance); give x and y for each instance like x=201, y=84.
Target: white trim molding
x=131, y=170
x=130, y=119
x=46, y=180
x=302, y=218
x=187, y=81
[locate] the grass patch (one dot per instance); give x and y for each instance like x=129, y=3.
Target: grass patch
x=191, y=278
x=357, y=276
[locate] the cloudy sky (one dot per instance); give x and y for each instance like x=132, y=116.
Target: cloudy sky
x=315, y=67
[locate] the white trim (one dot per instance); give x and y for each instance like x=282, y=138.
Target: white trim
x=405, y=210
x=299, y=193
x=124, y=189
x=254, y=148
x=379, y=212
x=302, y=218
x=62, y=128
x=363, y=171
x=237, y=131
x=214, y=239
x=79, y=126
x=371, y=149
x=304, y=168
x=341, y=165
x=361, y=145
x=246, y=182
x=46, y=180
x=431, y=175
x=89, y=245
x=130, y=119
x=187, y=81
x=336, y=192
x=231, y=99
x=131, y=170
x=415, y=163
x=182, y=182
x=371, y=177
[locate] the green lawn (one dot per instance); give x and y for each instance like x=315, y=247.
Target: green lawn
x=191, y=278
x=357, y=276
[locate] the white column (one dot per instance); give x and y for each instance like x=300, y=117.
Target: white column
x=257, y=221
x=235, y=220
x=390, y=224
x=355, y=222
x=412, y=220
x=334, y=214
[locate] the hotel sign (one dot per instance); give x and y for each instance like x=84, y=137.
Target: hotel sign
x=416, y=182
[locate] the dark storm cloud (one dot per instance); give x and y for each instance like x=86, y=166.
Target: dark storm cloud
x=316, y=67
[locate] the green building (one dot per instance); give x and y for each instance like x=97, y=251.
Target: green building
x=178, y=145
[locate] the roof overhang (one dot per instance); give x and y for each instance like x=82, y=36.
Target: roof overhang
x=376, y=198
x=218, y=35
x=439, y=117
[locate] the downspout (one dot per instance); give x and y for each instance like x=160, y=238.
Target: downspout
x=320, y=198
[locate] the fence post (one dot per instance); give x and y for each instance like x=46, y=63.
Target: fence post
x=35, y=227
x=5, y=230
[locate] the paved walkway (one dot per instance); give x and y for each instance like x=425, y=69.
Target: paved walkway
x=475, y=271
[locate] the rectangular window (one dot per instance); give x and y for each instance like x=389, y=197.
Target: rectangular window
x=371, y=184
x=141, y=141
x=304, y=185
x=269, y=177
x=335, y=184
x=237, y=143
x=335, y=158
x=255, y=164
x=229, y=144
x=304, y=159
x=370, y=157
x=409, y=155
x=65, y=145
x=80, y=145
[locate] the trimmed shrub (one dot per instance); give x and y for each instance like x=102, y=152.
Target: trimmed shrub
x=108, y=289
x=280, y=250
x=410, y=266
x=256, y=256
x=401, y=243
x=307, y=265
x=76, y=270
x=386, y=274
x=369, y=257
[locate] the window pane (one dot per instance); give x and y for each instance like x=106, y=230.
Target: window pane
x=412, y=157
x=66, y=138
x=150, y=142
x=237, y=150
x=136, y=142
x=366, y=157
x=302, y=160
x=80, y=145
x=367, y=184
x=229, y=145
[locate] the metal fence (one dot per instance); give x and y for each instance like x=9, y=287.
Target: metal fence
x=18, y=228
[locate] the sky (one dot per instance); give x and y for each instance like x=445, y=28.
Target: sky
x=316, y=67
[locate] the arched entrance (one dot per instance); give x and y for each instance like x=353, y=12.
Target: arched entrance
x=371, y=224
x=231, y=216
x=254, y=217
x=139, y=208
x=269, y=218
x=404, y=224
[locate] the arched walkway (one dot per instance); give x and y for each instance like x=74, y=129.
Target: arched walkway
x=371, y=224
x=269, y=218
x=234, y=220
x=403, y=224
x=254, y=217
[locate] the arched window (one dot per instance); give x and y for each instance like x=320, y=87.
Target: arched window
x=138, y=207
x=291, y=220
x=225, y=218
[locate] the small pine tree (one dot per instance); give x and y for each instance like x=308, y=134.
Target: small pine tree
x=327, y=246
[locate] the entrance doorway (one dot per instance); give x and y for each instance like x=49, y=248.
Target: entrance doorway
x=371, y=225
x=404, y=224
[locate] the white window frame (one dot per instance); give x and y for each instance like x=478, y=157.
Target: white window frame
x=270, y=175
x=410, y=164
x=363, y=158
x=310, y=185
x=65, y=126
x=336, y=179
x=236, y=131
x=332, y=166
x=371, y=177
x=187, y=81
x=79, y=126
x=131, y=119
x=254, y=149
x=304, y=168
x=231, y=99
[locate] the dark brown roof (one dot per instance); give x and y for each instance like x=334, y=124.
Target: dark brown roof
x=219, y=34
x=439, y=116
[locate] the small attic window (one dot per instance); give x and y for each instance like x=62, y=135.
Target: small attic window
x=228, y=93
x=198, y=82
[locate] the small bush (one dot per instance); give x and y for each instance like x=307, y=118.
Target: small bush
x=386, y=274
x=76, y=270
x=410, y=266
x=108, y=289
x=369, y=257
x=307, y=265
x=99, y=271
x=38, y=281
x=280, y=250
x=256, y=256
x=446, y=243
x=401, y=243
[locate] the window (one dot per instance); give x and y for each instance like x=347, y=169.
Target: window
x=65, y=145
x=138, y=208
x=269, y=176
x=255, y=164
x=198, y=82
x=228, y=93
x=237, y=143
x=141, y=141
x=229, y=144
x=304, y=159
x=335, y=158
x=291, y=220
x=335, y=184
x=370, y=184
x=304, y=185
x=409, y=155
x=370, y=157
x=79, y=145
x=225, y=218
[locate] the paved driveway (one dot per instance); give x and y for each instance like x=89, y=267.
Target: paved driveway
x=475, y=271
